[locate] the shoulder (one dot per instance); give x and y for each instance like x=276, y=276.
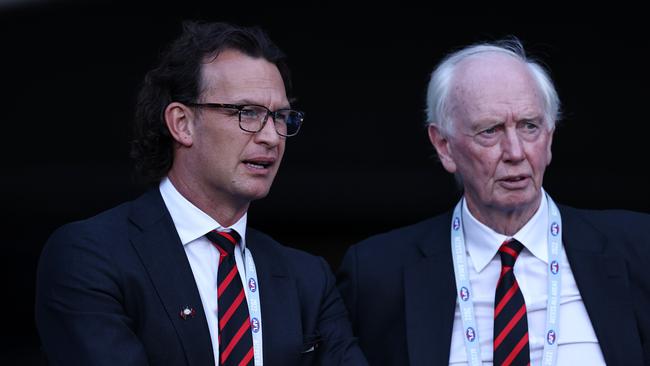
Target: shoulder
x=84, y=254
x=112, y=224
x=311, y=275
x=393, y=250
x=611, y=222
x=95, y=238
x=429, y=232
x=295, y=260
x=105, y=224
x=621, y=232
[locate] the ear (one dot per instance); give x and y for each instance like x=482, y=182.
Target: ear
x=549, y=155
x=441, y=144
x=178, y=118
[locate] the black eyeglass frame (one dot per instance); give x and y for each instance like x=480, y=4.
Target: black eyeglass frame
x=240, y=108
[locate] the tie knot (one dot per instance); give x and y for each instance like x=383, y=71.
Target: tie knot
x=509, y=251
x=224, y=239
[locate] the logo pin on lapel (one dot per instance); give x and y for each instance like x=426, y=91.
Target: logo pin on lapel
x=187, y=312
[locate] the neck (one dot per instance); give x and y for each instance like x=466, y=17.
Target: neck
x=218, y=206
x=505, y=222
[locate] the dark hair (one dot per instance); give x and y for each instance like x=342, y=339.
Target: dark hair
x=177, y=78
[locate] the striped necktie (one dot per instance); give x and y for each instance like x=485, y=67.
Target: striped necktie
x=235, y=339
x=510, y=322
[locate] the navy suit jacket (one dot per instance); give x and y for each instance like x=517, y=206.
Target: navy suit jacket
x=110, y=290
x=400, y=290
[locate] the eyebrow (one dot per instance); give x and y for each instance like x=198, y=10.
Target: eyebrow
x=481, y=124
x=249, y=101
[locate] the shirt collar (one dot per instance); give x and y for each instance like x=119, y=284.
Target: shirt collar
x=191, y=223
x=483, y=243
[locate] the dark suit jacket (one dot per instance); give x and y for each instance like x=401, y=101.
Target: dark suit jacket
x=110, y=290
x=400, y=290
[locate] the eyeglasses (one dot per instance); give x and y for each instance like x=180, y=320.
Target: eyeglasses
x=252, y=117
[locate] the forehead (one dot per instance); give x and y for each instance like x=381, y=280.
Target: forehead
x=239, y=77
x=495, y=85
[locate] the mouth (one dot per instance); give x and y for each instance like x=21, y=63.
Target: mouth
x=259, y=163
x=514, y=181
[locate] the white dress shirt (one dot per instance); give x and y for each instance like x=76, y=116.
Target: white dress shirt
x=192, y=224
x=577, y=342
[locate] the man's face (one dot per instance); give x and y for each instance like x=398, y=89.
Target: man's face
x=228, y=164
x=499, y=144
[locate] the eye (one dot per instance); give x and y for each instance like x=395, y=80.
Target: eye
x=488, y=135
x=530, y=127
x=250, y=112
x=490, y=131
x=229, y=111
x=281, y=116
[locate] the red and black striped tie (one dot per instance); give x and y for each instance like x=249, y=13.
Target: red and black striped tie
x=510, y=323
x=235, y=339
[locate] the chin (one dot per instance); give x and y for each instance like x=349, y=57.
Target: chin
x=518, y=200
x=256, y=194
x=254, y=189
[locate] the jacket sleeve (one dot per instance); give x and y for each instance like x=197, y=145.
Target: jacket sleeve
x=340, y=347
x=347, y=285
x=79, y=304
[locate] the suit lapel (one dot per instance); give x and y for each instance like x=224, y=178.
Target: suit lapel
x=156, y=241
x=602, y=281
x=281, y=323
x=430, y=298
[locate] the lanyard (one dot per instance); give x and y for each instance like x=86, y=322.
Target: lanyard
x=464, y=290
x=254, y=306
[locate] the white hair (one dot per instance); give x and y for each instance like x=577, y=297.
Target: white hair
x=438, y=104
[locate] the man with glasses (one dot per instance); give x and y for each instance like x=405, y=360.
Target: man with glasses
x=176, y=277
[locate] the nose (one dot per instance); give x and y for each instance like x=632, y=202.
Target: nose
x=512, y=146
x=268, y=135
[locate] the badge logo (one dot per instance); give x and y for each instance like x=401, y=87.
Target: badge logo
x=456, y=224
x=187, y=312
x=550, y=337
x=255, y=325
x=470, y=334
x=464, y=293
x=555, y=228
x=555, y=267
x=252, y=285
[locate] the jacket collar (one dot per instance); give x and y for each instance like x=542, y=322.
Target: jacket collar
x=602, y=279
x=156, y=241
x=430, y=296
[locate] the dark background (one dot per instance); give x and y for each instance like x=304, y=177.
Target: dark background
x=362, y=163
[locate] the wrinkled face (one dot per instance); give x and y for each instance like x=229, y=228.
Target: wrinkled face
x=232, y=165
x=499, y=144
